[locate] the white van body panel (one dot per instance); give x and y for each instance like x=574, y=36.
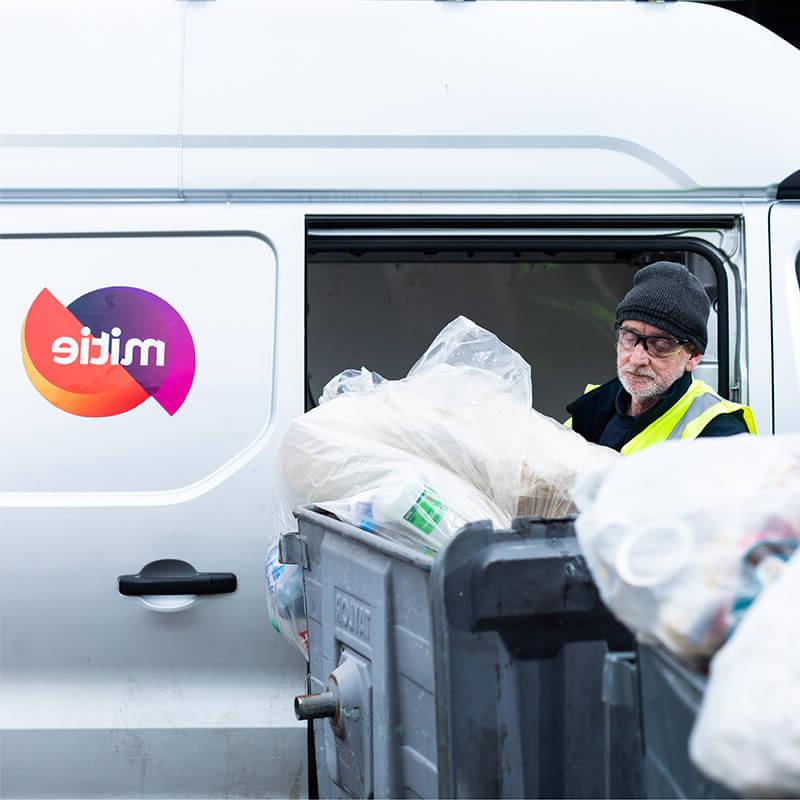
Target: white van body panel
x=393, y=96
x=119, y=699
x=91, y=95
x=757, y=376
x=785, y=241
x=501, y=96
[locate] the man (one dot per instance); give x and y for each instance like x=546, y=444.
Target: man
x=661, y=337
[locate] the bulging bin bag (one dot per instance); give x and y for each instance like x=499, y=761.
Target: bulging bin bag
x=747, y=733
x=456, y=441
x=681, y=538
x=462, y=406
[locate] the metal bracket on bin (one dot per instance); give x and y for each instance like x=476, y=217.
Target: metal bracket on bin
x=619, y=680
x=292, y=550
x=623, y=742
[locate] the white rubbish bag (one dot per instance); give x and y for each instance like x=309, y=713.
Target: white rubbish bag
x=464, y=406
x=456, y=441
x=747, y=734
x=380, y=488
x=680, y=537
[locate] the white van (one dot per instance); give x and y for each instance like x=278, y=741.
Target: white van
x=210, y=208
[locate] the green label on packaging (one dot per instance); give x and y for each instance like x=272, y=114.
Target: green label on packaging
x=427, y=511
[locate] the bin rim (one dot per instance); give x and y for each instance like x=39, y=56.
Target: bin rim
x=374, y=541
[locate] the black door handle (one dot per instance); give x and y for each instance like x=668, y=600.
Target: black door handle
x=155, y=578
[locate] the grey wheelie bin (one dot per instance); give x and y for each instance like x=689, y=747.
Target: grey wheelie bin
x=669, y=698
x=475, y=674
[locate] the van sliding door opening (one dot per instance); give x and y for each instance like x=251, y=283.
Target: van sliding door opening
x=377, y=299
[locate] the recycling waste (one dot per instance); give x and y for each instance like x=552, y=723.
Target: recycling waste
x=747, y=733
x=415, y=460
x=285, y=600
x=694, y=546
x=683, y=537
x=455, y=441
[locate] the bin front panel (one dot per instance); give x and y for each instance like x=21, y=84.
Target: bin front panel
x=520, y=640
x=370, y=631
x=670, y=699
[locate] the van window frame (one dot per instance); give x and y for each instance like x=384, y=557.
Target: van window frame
x=353, y=234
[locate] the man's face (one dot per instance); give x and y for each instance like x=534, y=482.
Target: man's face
x=642, y=373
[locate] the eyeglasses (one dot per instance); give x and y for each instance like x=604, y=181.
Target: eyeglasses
x=657, y=346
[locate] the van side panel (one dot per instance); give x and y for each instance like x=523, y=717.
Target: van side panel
x=107, y=695
x=757, y=303
x=90, y=96
x=475, y=97
x=784, y=227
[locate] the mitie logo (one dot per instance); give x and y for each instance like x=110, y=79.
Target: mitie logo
x=108, y=351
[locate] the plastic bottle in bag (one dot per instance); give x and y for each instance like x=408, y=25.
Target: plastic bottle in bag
x=411, y=508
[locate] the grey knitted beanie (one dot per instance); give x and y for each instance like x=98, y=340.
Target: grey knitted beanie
x=667, y=295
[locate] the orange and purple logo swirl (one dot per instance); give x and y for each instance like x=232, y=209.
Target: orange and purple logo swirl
x=108, y=351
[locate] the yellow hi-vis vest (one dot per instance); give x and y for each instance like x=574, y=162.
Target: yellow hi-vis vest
x=685, y=419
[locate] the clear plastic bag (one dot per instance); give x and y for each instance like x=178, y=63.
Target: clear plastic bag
x=680, y=537
x=286, y=600
x=461, y=407
x=747, y=734
x=456, y=441
x=371, y=484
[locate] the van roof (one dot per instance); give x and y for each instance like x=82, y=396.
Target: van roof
x=398, y=96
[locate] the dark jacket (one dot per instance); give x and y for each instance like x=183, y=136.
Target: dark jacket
x=601, y=415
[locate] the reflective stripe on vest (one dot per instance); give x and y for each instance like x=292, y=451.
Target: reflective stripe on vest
x=687, y=418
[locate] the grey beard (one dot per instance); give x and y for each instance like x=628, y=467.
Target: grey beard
x=656, y=388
